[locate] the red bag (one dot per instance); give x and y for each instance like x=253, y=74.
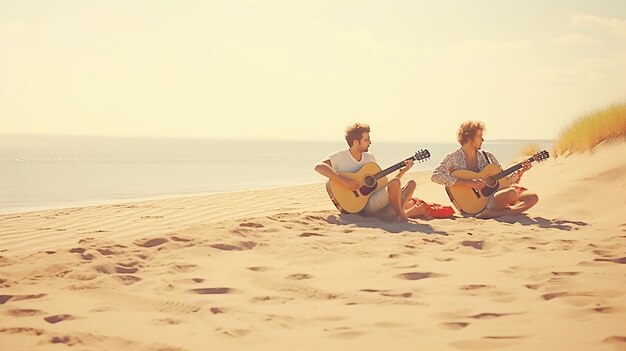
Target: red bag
x=436, y=210
x=439, y=211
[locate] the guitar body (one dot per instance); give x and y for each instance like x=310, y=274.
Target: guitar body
x=470, y=201
x=349, y=201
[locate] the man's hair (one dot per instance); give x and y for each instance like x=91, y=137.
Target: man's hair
x=467, y=131
x=355, y=132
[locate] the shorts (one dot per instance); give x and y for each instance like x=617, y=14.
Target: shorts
x=378, y=201
x=491, y=200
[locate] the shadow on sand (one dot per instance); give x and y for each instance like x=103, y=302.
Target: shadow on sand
x=541, y=222
x=388, y=226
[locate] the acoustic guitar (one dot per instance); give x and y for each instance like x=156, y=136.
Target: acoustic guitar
x=371, y=178
x=471, y=201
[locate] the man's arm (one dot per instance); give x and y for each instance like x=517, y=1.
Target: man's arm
x=441, y=175
x=407, y=165
x=325, y=168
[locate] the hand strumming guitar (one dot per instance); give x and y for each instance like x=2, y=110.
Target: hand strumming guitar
x=350, y=183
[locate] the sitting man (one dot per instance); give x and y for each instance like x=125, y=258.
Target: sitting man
x=503, y=202
x=391, y=198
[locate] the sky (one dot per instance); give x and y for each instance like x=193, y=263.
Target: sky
x=304, y=70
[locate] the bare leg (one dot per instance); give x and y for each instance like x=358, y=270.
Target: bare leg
x=407, y=193
x=417, y=210
x=398, y=198
x=525, y=201
x=508, y=202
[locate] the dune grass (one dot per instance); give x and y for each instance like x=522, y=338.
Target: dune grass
x=591, y=129
x=530, y=149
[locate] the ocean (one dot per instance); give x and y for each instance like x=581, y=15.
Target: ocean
x=49, y=171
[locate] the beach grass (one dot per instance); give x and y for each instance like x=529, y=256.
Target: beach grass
x=591, y=129
x=530, y=149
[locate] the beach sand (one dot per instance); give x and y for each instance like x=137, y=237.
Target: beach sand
x=281, y=269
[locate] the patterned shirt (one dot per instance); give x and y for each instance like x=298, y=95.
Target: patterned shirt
x=456, y=160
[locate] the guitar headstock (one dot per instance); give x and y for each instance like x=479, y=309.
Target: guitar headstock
x=422, y=155
x=540, y=156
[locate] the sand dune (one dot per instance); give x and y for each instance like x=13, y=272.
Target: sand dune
x=281, y=269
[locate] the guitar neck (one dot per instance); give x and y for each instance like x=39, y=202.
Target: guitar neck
x=511, y=169
x=392, y=169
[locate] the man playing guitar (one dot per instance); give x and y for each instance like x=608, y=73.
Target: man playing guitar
x=391, y=199
x=511, y=200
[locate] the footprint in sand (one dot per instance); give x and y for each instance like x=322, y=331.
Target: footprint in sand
x=251, y=225
x=5, y=298
x=190, y=281
x=66, y=339
x=271, y=300
x=24, y=312
x=125, y=270
x=213, y=291
x=150, y=242
x=621, y=260
x=128, y=264
x=455, y=325
x=617, y=341
x=217, y=310
x=580, y=299
x=166, y=321
x=180, y=238
x=29, y=331
x=307, y=234
x=478, y=245
x=565, y=273
x=475, y=287
x=127, y=279
x=235, y=333
x=419, y=275
x=243, y=245
x=606, y=309
x=299, y=276
x=183, y=267
x=260, y=269
x=406, y=267
x=343, y=333
x=58, y=318
x=481, y=316
x=390, y=293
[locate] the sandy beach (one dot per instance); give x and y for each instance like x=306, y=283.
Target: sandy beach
x=281, y=269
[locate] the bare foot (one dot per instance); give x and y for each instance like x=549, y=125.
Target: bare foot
x=402, y=218
x=418, y=211
x=487, y=214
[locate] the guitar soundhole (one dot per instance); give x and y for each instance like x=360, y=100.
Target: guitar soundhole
x=369, y=185
x=487, y=191
x=369, y=181
x=491, y=182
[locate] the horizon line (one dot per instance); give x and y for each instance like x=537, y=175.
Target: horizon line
x=239, y=139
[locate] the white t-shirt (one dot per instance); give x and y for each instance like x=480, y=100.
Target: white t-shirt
x=343, y=161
